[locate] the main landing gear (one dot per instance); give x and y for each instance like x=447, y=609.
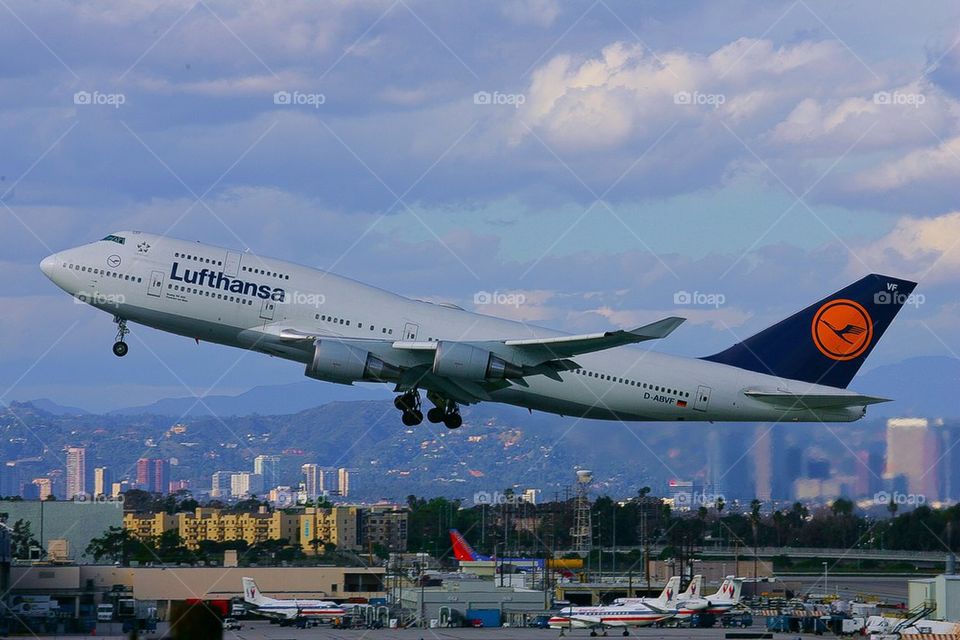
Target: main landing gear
x=120, y=347
x=409, y=404
x=445, y=411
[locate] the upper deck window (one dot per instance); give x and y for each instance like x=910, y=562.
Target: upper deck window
x=117, y=239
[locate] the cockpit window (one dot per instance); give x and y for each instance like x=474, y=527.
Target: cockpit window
x=117, y=239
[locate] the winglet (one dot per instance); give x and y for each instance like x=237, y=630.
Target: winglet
x=658, y=329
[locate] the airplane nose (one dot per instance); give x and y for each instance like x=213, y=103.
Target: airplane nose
x=48, y=264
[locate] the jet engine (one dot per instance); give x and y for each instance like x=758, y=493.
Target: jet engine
x=466, y=362
x=335, y=361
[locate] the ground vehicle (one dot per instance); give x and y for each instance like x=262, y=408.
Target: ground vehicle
x=231, y=624
x=540, y=622
x=104, y=612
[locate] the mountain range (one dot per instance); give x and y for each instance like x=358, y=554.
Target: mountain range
x=918, y=386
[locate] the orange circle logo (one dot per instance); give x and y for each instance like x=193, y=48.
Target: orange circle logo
x=842, y=329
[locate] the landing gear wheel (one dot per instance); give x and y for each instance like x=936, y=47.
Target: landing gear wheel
x=120, y=346
x=452, y=420
x=626, y=633
x=435, y=415
x=409, y=403
x=593, y=634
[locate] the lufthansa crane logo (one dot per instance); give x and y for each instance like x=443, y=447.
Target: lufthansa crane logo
x=842, y=329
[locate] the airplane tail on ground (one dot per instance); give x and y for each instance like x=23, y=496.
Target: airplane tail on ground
x=462, y=549
x=671, y=590
x=729, y=590
x=828, y=341
x=251, y=594
x=695, y=588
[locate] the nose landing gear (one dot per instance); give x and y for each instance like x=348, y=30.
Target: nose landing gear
x=120, y=346
x=409, y=404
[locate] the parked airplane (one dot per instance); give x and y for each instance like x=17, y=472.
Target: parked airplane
x=289, y=610
x=463, y=552
x=345, y=332
x=624, y=612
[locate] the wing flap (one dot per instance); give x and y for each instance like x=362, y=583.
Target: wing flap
x=786, y=400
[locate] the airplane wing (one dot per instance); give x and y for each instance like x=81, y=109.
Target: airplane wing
x=468, y=370
x=567, y=346
x=799, y=401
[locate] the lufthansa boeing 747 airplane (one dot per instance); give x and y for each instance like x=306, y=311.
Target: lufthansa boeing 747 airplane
x=344, y=331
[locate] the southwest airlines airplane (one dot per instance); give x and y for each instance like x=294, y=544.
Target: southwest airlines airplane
x=344, y=331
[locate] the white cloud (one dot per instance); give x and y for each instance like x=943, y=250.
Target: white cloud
x=923, y=248
x=895, y=118
x=629, y=92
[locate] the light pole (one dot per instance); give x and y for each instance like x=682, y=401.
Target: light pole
x=824, y=577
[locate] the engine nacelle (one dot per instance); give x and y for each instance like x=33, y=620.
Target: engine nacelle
x=335, y=361
x=466, y=362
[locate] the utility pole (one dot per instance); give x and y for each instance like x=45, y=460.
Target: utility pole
x=614, y=541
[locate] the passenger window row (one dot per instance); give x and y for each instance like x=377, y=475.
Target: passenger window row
x=185, y=256
x=632, y=383
x=264, y=272
x=210, y=294
x=102, y=272
x=333, y=320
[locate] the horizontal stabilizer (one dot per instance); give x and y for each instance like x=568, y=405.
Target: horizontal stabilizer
x=786, y=400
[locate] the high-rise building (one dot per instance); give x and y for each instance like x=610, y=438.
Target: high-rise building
x=118, y=488
x=153, y=475
x=220, y=484
x=346, y=481
x=269, y=468
x=312, y=480
x=102, y=481
x=912, y=452
x=76, y=472
x=328, y=481
x=763, y=463
x=949, y=463
x=245, y=483
x=44, y=487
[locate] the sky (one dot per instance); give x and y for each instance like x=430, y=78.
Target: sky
x=587, y=160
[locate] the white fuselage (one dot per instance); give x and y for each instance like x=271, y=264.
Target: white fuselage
x=243, y=300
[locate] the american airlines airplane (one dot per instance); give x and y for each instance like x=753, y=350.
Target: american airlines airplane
x=344, y=331
x=290, y=610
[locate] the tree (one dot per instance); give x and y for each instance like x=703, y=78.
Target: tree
x=114, y=544
x=22, y=540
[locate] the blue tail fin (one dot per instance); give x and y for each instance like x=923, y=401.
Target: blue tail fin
x=828, y=341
